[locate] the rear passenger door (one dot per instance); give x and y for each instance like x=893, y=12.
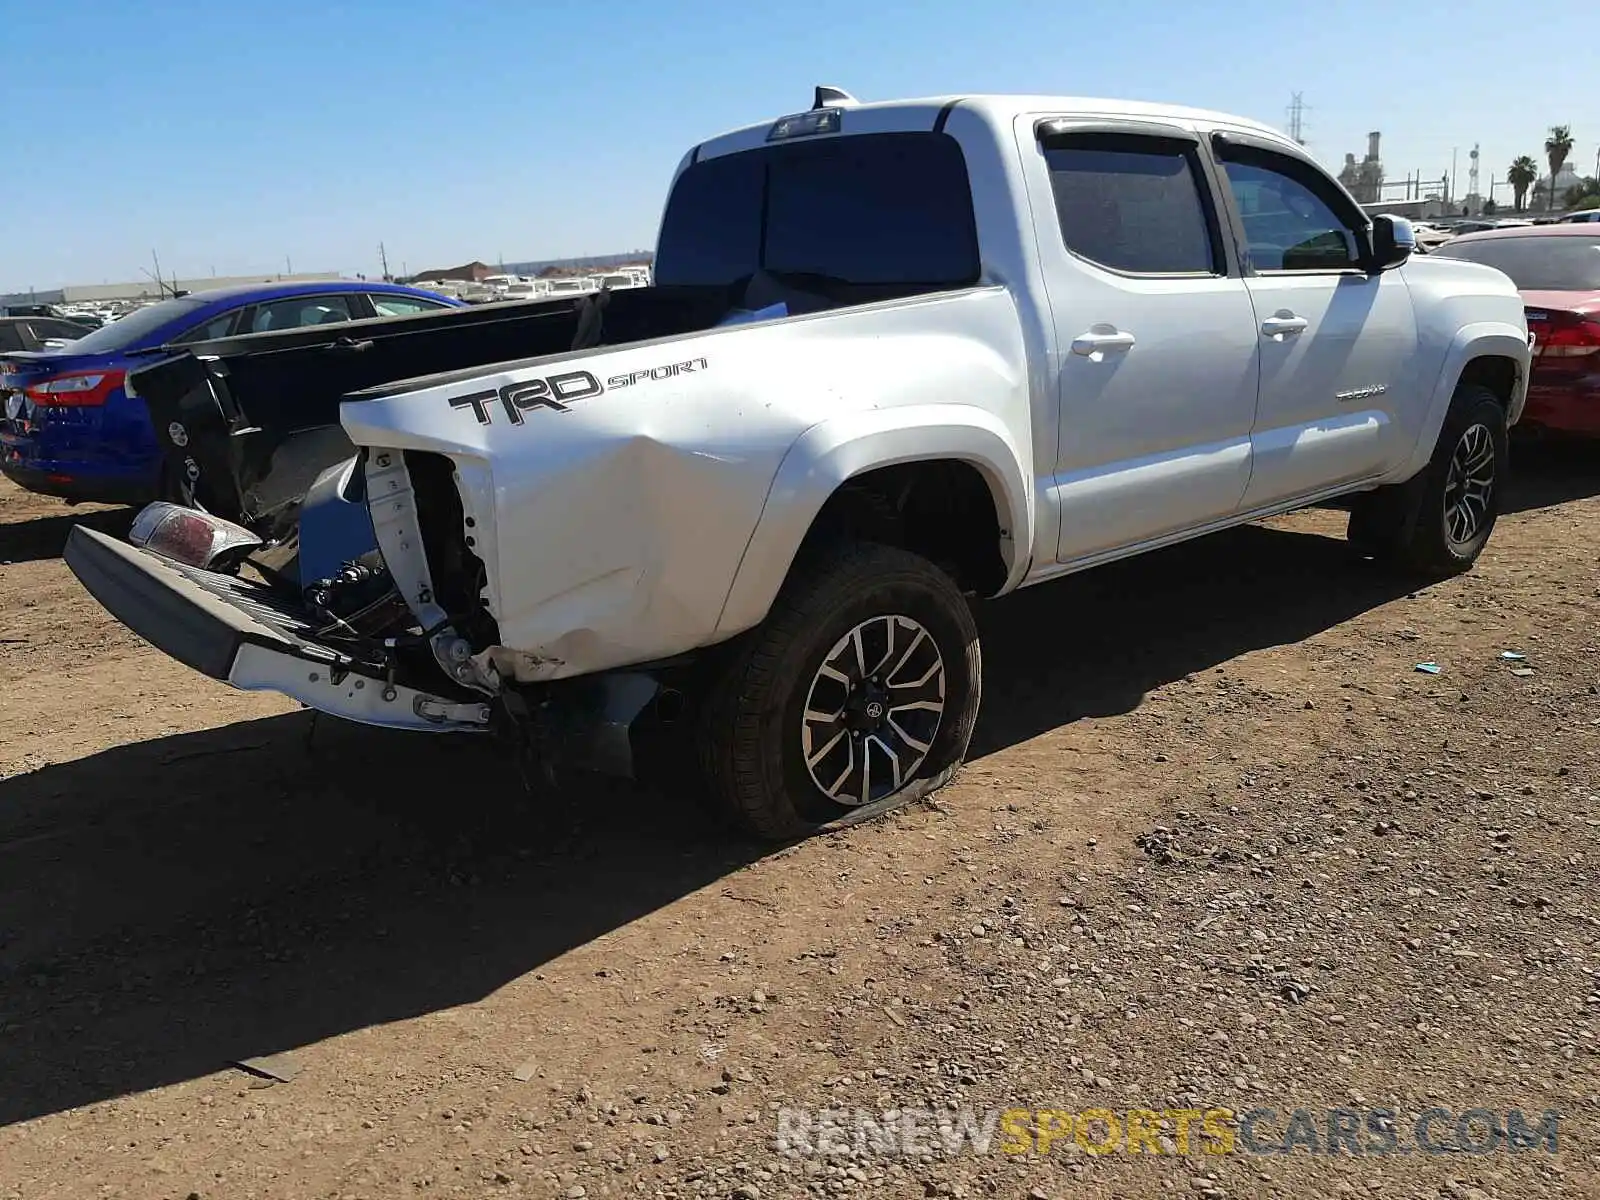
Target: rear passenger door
x=1156, y=360
x=1338, y=344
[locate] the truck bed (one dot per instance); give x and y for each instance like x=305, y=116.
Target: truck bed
x=251, y=421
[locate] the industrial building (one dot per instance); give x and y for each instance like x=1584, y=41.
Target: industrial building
x=1364, y=180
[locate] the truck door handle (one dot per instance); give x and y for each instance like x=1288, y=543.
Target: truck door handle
x=1283, y=324
x=1102, y=338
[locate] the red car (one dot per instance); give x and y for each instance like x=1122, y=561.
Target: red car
x=1557, y=270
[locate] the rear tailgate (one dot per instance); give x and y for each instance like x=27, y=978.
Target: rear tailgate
x=239, y=633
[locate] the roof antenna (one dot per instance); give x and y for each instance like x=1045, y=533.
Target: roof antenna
x=833, y=97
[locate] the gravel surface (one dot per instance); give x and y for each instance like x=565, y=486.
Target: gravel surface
x=1221, y=847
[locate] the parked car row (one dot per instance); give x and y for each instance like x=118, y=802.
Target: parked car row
x=38, y=333
x=69, y=427
x=494, y=288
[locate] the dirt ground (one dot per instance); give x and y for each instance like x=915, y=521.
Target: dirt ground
x=1221, y=845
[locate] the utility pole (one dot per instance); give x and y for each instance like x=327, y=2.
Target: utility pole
x=1450, y=193
x=1297, y=118
x=288, y=267
x=383, y=259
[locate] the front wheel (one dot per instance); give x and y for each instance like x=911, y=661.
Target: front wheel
x=857, y=694
x=1439, y=522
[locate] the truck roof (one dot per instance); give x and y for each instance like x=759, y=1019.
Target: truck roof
x=997, y=109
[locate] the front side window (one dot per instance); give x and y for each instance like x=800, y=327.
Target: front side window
x=389, y=305
x=1287, y=225
x=1132, y=203
x=299, y=312
x=874, y=210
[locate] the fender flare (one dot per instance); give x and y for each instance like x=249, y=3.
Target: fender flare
x=1481, y=339
x=832, y=452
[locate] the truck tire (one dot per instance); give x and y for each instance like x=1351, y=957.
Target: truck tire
x=1438, y=522
x=857, y=694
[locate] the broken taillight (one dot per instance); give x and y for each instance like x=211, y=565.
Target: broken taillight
x=189, y=536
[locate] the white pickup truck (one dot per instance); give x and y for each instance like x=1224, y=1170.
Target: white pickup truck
x=897, y=356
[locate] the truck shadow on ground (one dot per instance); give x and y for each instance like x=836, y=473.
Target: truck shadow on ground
x=171, y=906
x=45, y=537
x=1550, y=471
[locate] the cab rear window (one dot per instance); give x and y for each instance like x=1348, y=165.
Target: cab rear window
x=870, y=209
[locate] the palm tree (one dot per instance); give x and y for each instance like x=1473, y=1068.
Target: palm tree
x=1556, y=148
x=1521, y=176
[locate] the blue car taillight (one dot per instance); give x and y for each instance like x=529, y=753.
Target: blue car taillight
x=79, y=389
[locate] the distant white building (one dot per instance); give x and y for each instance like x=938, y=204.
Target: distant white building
x=1568, y=178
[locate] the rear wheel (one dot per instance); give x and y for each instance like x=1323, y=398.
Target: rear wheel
x=857, y=694
x=1439, y=522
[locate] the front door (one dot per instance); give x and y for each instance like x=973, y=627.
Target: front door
x=1338, y=345
x=1156, y=351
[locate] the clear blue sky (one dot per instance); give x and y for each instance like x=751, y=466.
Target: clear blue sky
x=229, y=136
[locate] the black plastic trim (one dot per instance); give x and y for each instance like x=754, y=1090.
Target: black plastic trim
x=943, y=118
x=1223, y=138
x=1051, y=129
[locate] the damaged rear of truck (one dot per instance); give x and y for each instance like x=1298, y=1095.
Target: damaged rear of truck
x=570, y=520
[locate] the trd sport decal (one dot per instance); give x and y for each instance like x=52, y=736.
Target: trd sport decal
x=516, y=398
x=557, y=392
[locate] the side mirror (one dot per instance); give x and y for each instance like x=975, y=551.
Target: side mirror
x=1393, y=241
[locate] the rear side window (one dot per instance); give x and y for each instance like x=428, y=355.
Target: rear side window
x=889, y=209
x=1132, y=203
x=217, y=327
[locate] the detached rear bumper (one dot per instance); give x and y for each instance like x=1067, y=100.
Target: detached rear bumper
x=239, y=633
